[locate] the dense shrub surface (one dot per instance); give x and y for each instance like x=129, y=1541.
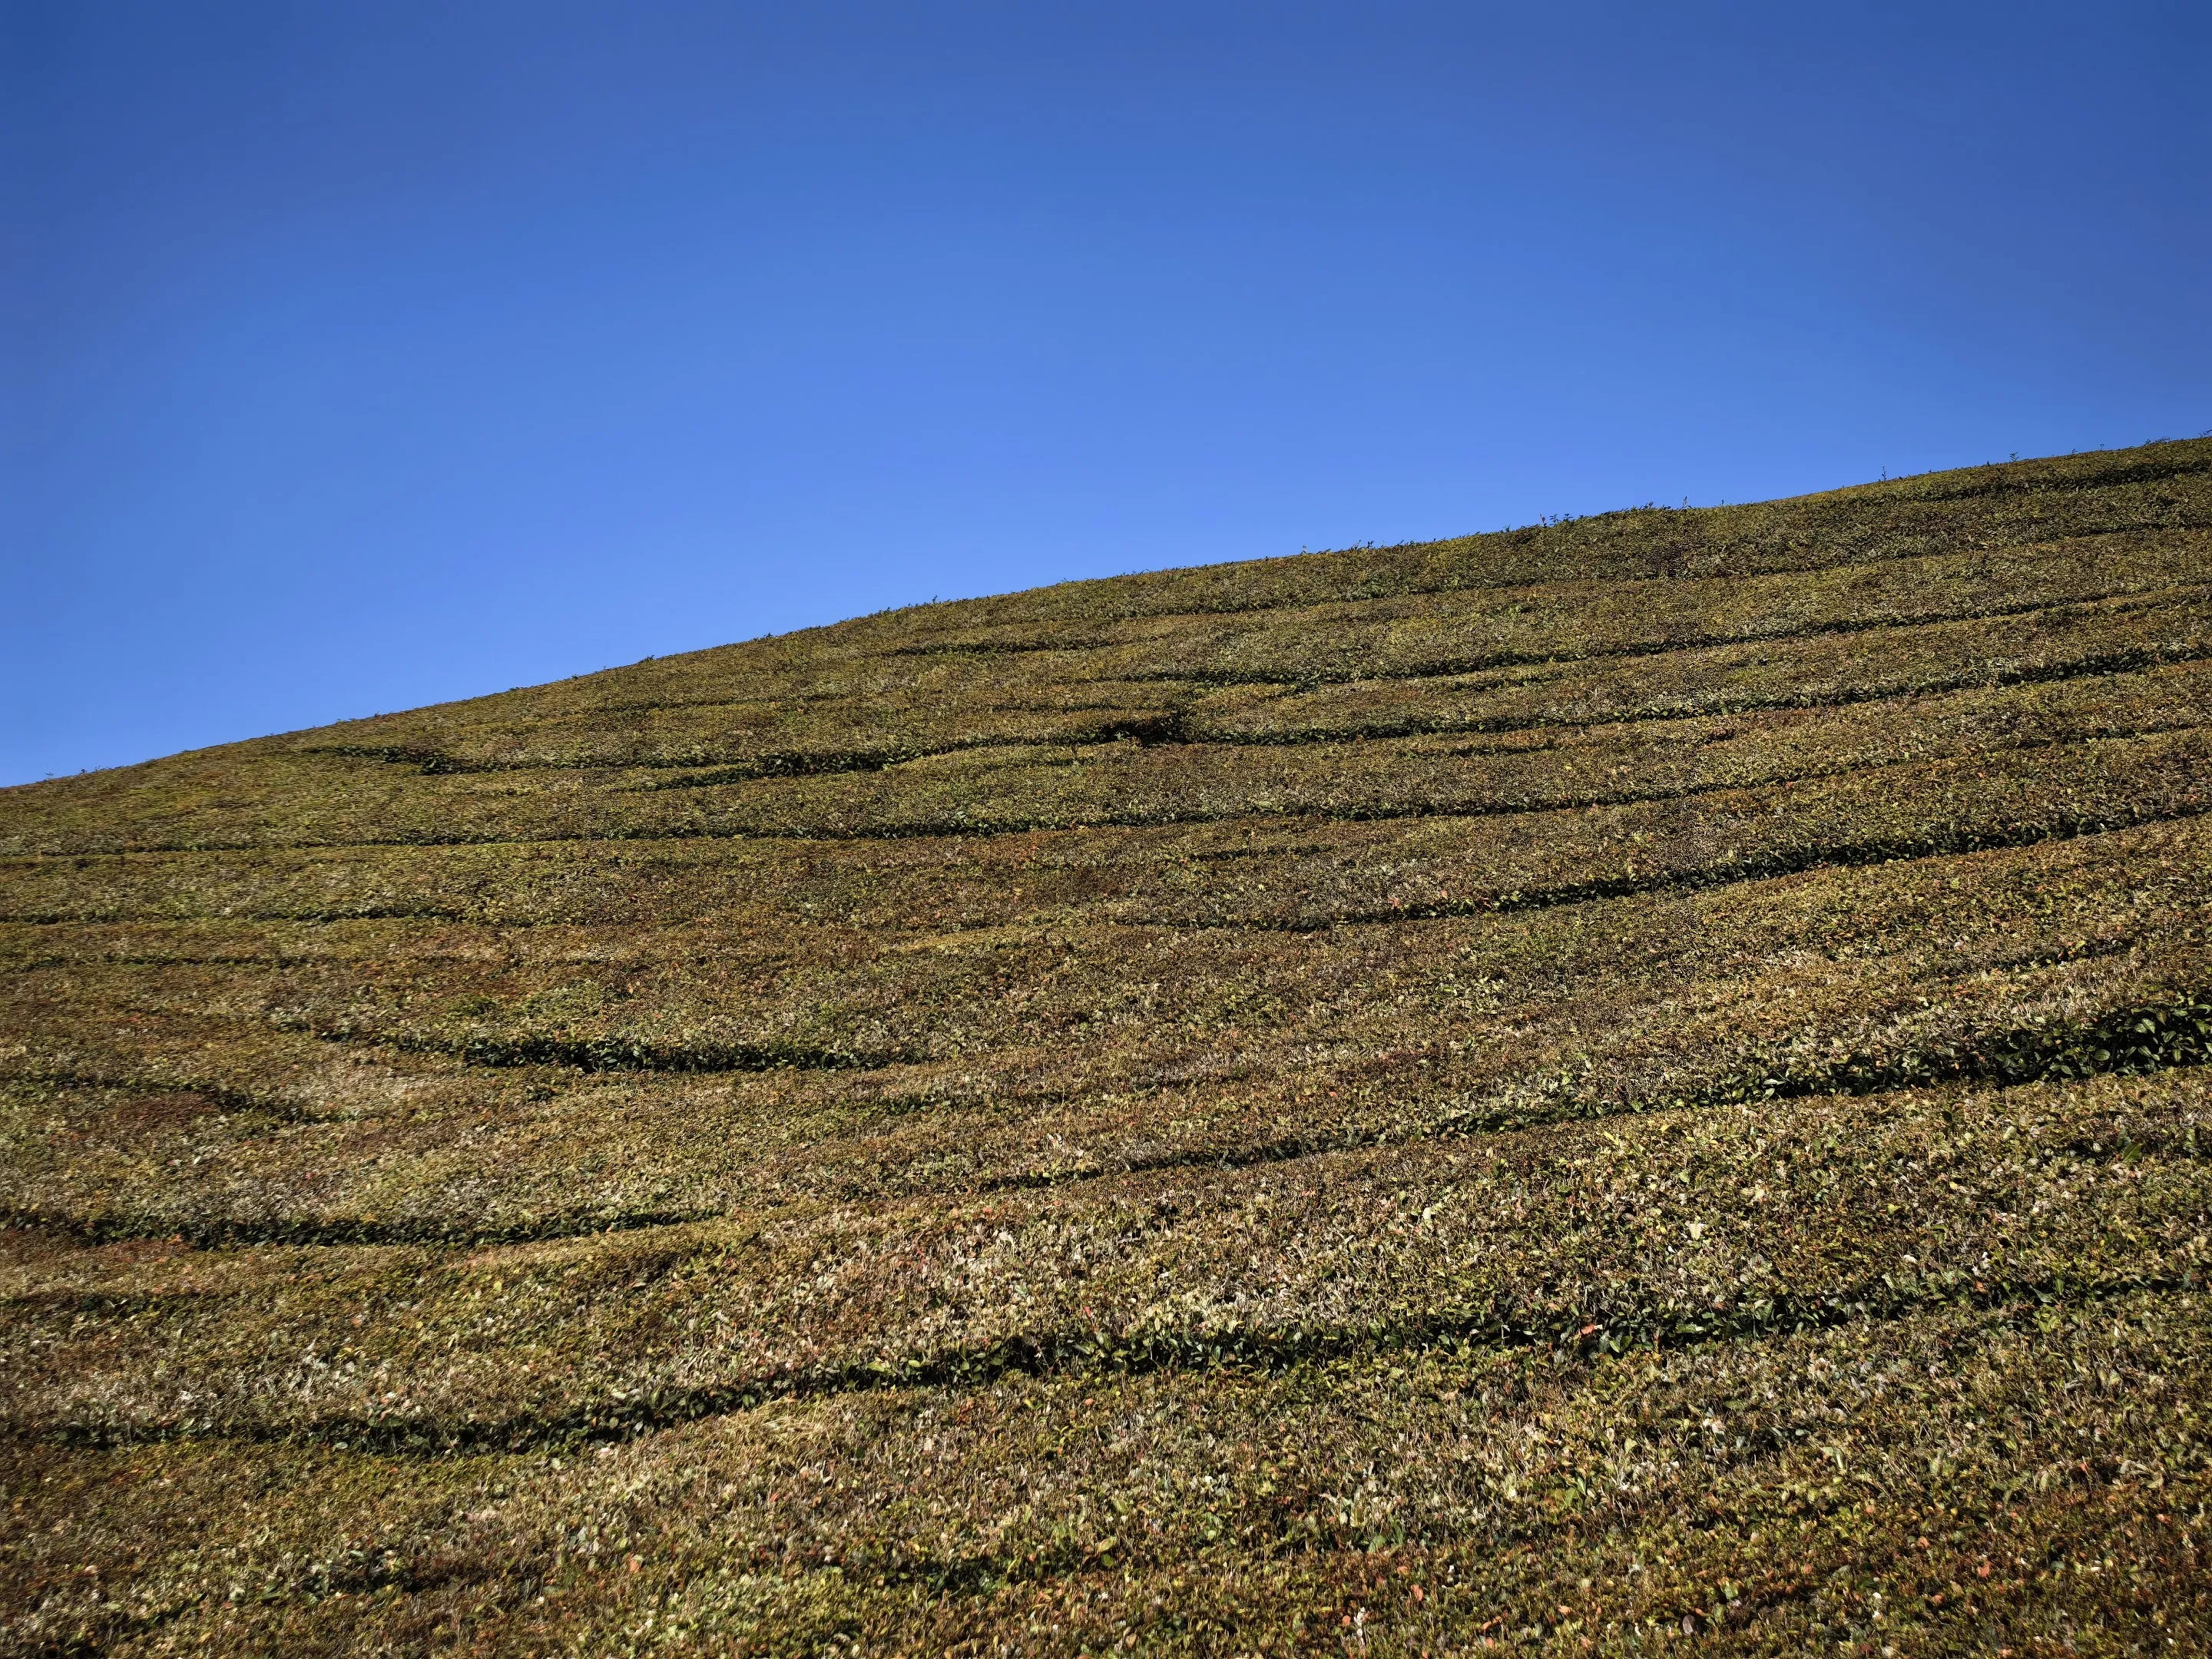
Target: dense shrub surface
x=1636, y=1086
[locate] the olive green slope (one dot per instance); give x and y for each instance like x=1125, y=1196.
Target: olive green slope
x=1632, y=1085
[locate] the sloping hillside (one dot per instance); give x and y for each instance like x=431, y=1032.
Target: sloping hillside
x=1628, y=1086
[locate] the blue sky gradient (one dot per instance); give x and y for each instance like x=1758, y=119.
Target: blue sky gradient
x=362, y=357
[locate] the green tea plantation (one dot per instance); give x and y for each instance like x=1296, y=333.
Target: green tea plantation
x=1630, y=1086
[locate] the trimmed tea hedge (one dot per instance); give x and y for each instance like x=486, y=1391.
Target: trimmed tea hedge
x=1632, y=1085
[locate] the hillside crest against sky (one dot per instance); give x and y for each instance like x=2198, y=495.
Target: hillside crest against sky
x=1121, y=621
x=1629, y=1080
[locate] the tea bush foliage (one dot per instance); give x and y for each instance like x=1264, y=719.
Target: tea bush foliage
x=1634, y=1085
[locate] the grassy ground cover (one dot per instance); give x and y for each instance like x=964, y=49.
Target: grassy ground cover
x=1632, y=1085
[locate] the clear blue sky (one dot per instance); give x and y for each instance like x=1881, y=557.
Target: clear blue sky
x=361, y=356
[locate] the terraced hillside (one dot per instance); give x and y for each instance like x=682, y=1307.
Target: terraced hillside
x=1632, y=1085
